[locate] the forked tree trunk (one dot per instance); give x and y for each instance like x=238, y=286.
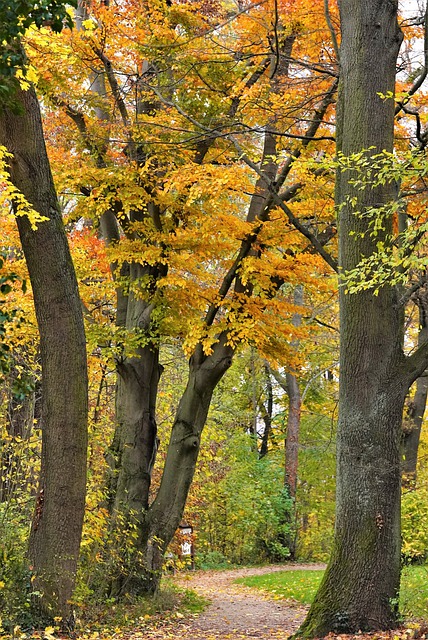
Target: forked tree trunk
x=57, y=524
x=165, y=513
x=163, y=516
x=361, y=584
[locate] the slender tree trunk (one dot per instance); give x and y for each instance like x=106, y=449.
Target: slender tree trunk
x=294, y=412
x=57, y=524
x=19, y=425
x=293, y=429
x=267, y=412
x=412, y=423
x=361, y=584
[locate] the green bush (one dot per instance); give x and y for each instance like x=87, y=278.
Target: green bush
x=15, y=575
x=211, y=560
x=248, y=514
x=414, y=525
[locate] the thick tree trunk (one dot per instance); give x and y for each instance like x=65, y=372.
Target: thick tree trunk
x=133, y=450
x=361, y=584
x=136, y=435
x=57, y=525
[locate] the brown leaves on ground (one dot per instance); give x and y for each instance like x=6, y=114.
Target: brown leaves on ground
x=236, y=612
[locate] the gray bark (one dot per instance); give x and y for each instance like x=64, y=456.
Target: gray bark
x=133, y=450
x=156, y=524
x=21, y=413
x=165, y=513
x=294, y=412
x=57, y=524
x=267, y=412
x=361, y=584
x=412, y=422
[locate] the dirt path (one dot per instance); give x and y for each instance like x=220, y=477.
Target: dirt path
x=237, y=611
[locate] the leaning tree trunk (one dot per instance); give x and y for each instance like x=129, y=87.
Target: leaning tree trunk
x=164, y=515
x=57, y=524
x=361, y=583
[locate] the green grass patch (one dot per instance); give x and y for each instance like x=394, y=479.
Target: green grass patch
x=414, y=591
x=301, y=585
x=298, y=585
x=192, y=602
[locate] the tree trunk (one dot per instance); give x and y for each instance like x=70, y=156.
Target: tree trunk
x=361, y=584
x=294, y=412
x=293, y=429
x=57, y=524
x=19, y=425
x=412, y=423
x=165, y=513
x=412, y=432
x=267, y=412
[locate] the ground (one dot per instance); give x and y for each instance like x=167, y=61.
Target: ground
x=237, y=611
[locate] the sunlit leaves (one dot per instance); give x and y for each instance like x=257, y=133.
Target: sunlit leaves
x=11, y=196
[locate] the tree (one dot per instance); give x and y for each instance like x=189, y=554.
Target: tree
x=58, y=516
x=415, y=407
x=166, y=168
x=361, y=584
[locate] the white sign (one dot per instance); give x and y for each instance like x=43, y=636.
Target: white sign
x=186, y=549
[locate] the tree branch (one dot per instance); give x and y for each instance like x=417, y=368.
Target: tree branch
x=331, y=28
x=417, y=362
x=423, y=73
x=274, y=198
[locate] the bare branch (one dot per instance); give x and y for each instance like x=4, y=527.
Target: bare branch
x=423, y=73
x=276, y=199
x=331, y=28
x=114, y=86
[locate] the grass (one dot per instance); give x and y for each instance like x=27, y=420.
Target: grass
x=302, y=585
x=414, y=592
x=169, y=603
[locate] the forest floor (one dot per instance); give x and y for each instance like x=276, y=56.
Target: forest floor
x=237, y=612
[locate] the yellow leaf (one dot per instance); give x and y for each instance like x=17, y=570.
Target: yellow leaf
x=89, y=24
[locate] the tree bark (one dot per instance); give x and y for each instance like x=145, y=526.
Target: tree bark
x=293, y=429
x=412, y=422
x=21, y=411
x=165, y=513
x=267, y=412
x=156, y=524
x=294, y=412
x=57, y=524
x=361, y=584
